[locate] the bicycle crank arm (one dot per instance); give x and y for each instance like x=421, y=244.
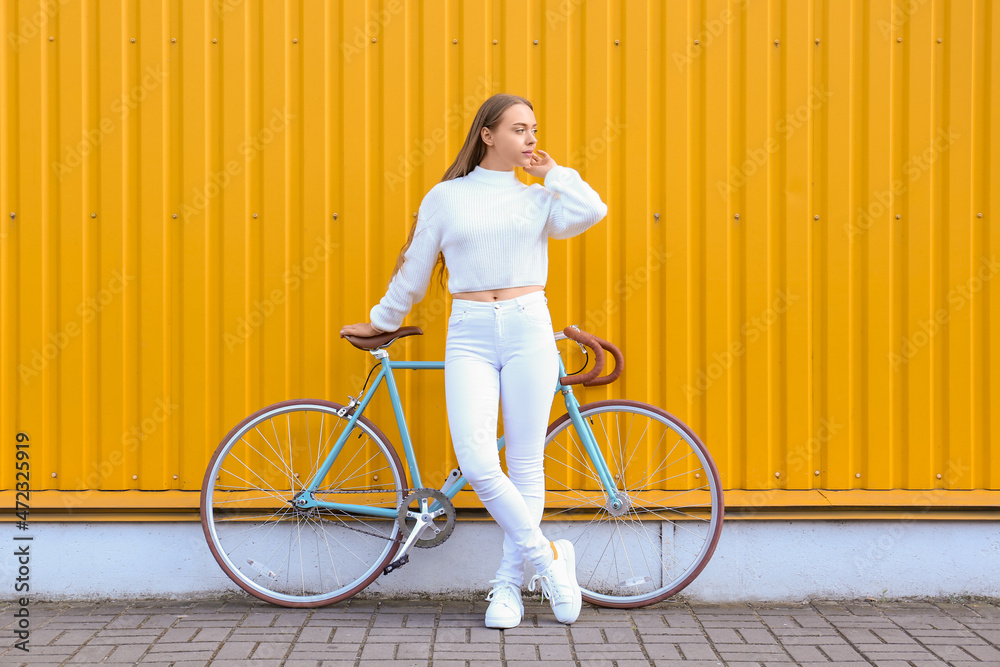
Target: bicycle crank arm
x=401, y=557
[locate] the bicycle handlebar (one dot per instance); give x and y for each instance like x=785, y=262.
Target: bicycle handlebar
x=619, y=363
x=598, y=345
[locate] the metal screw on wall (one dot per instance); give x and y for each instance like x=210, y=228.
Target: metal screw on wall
x=737, y=216
x=536, y=41
x=334, y=216
x=373, y=40
x=775, y=42
x=697, y=41
x=254, y=215
x=616, y=42
x=656, y=216
x=93, y=215
x=816, y=217
x=817, y=40
x=898, y=216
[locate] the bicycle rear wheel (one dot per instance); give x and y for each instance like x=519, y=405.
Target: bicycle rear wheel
x=672, y=507
x=285, y=554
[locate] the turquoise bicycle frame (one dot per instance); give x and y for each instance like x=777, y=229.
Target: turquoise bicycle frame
x=307, y=498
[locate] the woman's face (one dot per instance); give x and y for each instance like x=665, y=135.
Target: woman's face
x=512, y=141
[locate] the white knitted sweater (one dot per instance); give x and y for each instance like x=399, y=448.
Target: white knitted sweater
x=493, y=230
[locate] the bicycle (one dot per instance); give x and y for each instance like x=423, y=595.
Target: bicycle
x=300, y=522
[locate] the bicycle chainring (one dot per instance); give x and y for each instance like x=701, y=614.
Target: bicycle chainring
x=435, y=533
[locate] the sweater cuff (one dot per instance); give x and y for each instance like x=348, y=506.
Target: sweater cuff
x=557, y=173
x=375, y=316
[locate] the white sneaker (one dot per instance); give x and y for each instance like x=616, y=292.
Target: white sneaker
x=558, y=583
x=506, y=608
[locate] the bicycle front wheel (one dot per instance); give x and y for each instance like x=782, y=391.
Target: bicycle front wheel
x=277, y=551
x=664, y=527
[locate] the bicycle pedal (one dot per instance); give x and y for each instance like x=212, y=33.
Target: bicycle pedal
x=396, y=564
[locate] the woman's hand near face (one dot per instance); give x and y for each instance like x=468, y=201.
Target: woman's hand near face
x=363, y=329
x=541, y=163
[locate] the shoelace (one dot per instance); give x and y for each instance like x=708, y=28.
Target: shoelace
x=500, y=587
x=547, y=589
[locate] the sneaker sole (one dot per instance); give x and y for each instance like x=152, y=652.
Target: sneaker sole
x=502, y=626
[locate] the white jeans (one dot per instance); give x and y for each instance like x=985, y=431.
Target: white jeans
x=504, y=351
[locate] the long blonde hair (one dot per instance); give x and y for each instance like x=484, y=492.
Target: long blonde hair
x=472, y=153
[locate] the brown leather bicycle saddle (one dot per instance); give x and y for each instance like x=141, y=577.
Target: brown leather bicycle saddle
x=382, y=339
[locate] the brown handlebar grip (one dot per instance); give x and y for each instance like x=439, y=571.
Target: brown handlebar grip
x=590, y=341
x=619, y=363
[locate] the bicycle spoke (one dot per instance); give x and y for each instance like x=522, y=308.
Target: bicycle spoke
x=276, y=452
x=667, y=479
x=654, y=468
x=277, y=494
x=599, y=559
x=637, y=448
x=632, y=522
x=313, y=469
x=329, y=552
x=581, y=462
x=287, y=471
x=359, y=474
x=674, y=509
x=249, y=529
x=244, y=498
x=318, y=464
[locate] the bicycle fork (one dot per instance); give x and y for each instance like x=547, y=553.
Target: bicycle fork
x=616, y=503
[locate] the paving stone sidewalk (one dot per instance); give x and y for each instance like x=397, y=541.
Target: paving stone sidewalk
x=399, y=633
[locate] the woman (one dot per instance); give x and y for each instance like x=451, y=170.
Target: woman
x=493, y=230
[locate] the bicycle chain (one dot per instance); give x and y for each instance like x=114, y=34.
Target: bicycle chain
x=405, y=491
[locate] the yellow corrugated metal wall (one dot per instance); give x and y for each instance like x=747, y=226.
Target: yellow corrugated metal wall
x=798, y=259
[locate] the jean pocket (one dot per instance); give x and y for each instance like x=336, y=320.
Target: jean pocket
x=538, y=313
x=456, y=317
